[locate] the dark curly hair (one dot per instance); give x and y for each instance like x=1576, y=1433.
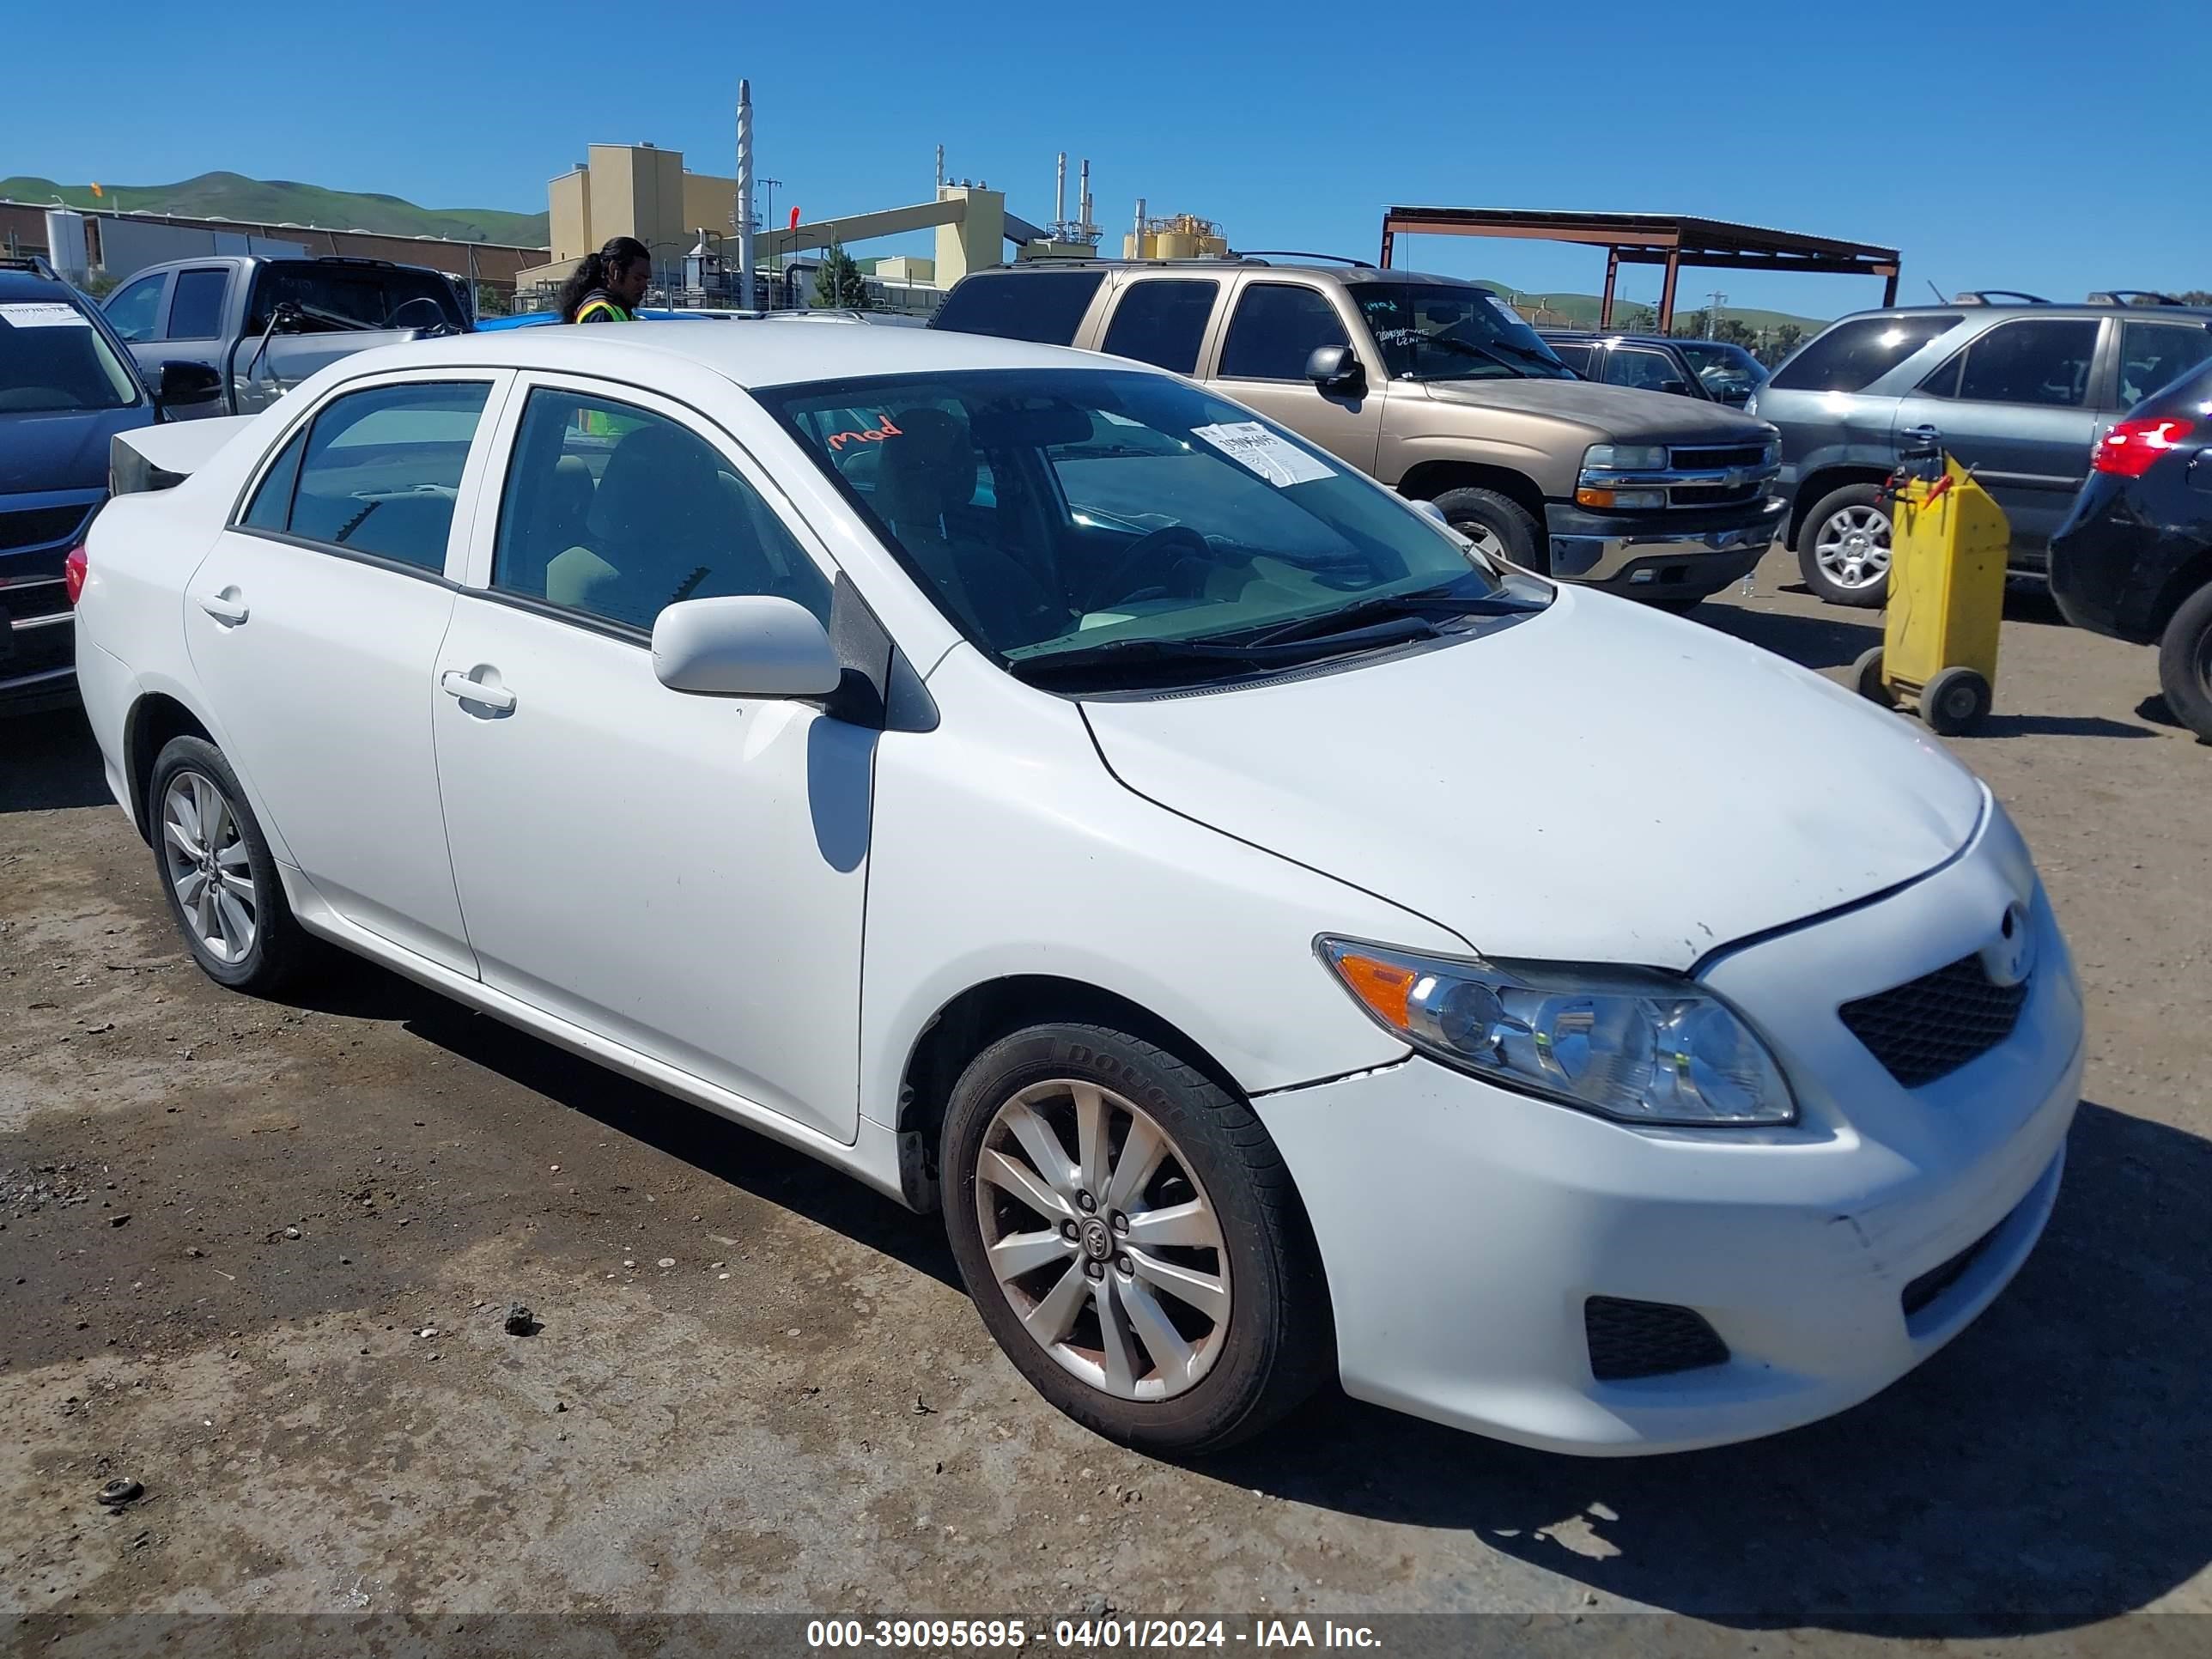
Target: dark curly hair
x=598, y=269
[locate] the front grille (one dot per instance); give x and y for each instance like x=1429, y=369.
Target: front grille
x=1936, y=1280
x=33, y=599
x=1714, y=495
x=1931, y=1026
x=1716, y=458
x=1647, y=1339
x=37, y=525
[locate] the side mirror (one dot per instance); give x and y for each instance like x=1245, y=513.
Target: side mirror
x=744, y=646
x=183, y=384
x=1429, y=510
x=1336, y=369
x=1679, y=388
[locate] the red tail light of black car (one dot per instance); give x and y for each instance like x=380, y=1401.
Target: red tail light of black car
x=2131, y=449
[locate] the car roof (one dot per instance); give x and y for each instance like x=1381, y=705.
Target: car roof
x=1971, y=308
x=34, y=285
x=747, y=351
x=1346, y=272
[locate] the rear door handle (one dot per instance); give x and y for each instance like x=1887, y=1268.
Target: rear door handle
x=226, y=606
x=454, y=683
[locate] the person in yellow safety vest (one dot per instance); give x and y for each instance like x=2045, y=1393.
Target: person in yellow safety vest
x=606, y=287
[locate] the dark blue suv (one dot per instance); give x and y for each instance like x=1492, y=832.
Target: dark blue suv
x=67, y=385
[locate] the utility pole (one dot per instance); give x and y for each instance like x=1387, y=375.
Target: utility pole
x=769, y=188
x=745, y=203
x=1713, y=313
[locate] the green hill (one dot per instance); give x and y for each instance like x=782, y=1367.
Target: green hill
x=279, y=201
x=1580, y=311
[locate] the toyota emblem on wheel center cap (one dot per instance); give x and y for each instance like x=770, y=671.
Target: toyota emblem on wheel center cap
x=1098, y=1241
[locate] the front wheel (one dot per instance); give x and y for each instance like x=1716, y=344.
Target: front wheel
x=1844, y=547
x=1498, y=525
x=2184, y=663
x=1131, y=1239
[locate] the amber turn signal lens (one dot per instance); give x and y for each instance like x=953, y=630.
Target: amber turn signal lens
x=1587, y=496
x=1385, y=986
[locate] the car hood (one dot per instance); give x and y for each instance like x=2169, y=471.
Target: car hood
x=1598, y=783
x=1614, y=411
x=61, y=449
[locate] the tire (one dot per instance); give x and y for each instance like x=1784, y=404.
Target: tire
x=1854, y=573
x=1497, y=524
x=1673, y=604
x=190, y=777
x=1218, y=1380
x=2184, y=663
x=1867, y=680
x=1955, y=700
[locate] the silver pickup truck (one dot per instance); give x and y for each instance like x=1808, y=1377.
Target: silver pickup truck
x=264, y=325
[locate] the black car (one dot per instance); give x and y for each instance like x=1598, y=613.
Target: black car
x=2134, y=559
x=1711, y=369
x=68, y=384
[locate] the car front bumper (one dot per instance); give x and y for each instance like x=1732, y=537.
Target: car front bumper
x=1464, y=1228
x=1644, y=559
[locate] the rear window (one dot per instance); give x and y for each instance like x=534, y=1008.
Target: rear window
x=1042, y=309
x=1853, y=356
x=340, y=296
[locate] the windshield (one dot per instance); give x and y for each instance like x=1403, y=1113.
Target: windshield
x=1443, y=332
x=51, y=357
x=1728, y=371
x=1052, y=511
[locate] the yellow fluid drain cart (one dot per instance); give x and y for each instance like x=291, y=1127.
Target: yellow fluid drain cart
x=1948, y=543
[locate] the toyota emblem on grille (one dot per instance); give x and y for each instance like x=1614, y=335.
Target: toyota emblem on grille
x=2009, y=958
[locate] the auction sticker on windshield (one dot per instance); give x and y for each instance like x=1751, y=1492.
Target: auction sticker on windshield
x=1279, y=463
x=43, y=313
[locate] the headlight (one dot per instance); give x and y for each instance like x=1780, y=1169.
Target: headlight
x=1638, y=1046
x=1626, y=458
x=1772, y=455
x=1751, y=405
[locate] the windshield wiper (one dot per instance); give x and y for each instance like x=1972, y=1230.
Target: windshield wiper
x=1226, y=655
x=1421, y=602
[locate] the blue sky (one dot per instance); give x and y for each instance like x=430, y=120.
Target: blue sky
x=2036, y=145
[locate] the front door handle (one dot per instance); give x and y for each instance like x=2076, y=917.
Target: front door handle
x=226, y=606
x=454, y=683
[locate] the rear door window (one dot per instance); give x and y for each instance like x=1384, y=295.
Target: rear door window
x=2033, y=360
x=1276, y=328
x=338, y=295
x=196, y=311
x=1162, y=322
x=2153, y=355
x=1853, y=356
x=1045, y=308
x=381, y=470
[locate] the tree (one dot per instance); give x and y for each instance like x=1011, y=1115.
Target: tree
x=838, y=282
x=1781, y=344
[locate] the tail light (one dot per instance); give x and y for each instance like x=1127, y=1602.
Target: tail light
x=2131, y=446
x=73, y=572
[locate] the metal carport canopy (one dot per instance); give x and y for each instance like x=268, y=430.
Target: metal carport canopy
x=1672, y=240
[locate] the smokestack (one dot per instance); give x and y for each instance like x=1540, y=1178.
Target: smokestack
x=746, y=195
x=1082, y=204
x=940, y=169
x=1059, y=192
x=1140, y=244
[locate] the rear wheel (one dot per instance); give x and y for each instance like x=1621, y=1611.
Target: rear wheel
x=1497, y=523
x=217, y=872
x=2184, y=663
x=1843, y=547
x=1131, y=1239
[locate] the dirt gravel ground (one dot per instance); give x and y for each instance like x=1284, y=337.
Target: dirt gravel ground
x=257, y=1257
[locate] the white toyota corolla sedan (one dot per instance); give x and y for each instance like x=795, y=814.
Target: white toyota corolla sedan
x=1281, y=940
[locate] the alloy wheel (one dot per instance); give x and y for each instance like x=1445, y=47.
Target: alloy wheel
x=1852, y=548
x=1102, y=1240
x=1487, y=540
x=209, y=869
